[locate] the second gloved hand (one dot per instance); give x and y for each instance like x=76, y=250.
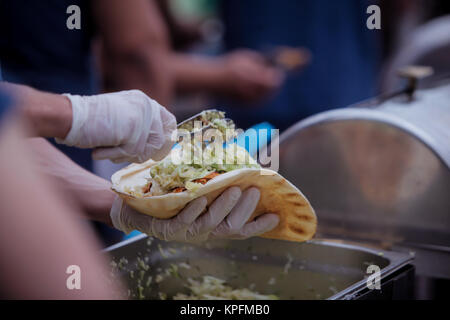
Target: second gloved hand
x=122, y=126
x=226, y=217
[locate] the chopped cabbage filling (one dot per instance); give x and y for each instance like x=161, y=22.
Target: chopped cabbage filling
x=212, y=288
x=214, y=119
x=191, y=167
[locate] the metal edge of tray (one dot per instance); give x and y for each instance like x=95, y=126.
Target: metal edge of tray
x=125, y=242
x=368, y=115
x=396, y=260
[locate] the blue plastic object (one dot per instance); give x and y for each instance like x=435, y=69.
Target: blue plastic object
x=256, y=137
x=132, y=234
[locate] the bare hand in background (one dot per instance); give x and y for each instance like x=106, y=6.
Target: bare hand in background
x=242, y=75
x=246, y=76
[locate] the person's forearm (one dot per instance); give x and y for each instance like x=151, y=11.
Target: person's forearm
x=144, y=68
x=88, y=191
x=41, y=235
x=192, y=73
x=46, y=114
x=134, y=47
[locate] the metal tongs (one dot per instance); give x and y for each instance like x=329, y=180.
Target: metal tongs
x=189, y=124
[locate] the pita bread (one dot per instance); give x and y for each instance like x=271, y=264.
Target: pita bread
x=298, y=221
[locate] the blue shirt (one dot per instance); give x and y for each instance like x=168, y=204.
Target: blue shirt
x=5, y=101
x=37, y=49
x=345, y=54
x=4, y=104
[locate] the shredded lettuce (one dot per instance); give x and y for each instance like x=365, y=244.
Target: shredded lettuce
x=192, y=186
x=214, y=119
x=184, y=165
x=212, y=288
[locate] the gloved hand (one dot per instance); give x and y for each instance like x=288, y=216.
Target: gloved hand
x=123, y=126
x=226, y=217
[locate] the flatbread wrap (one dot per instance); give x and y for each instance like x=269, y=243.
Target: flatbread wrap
x=161, y=189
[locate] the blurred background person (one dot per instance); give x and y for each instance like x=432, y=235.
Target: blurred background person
x=203, y=73
x=243, y=75
x=343, y=68
x=348, y=60
x=345, y=54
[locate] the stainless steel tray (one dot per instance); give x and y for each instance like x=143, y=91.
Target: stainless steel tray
x=312, y=270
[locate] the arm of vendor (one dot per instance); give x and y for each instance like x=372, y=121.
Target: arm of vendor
x=122, y=126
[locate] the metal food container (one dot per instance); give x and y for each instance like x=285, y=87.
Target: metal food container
x=379, y=172
x=311, y=270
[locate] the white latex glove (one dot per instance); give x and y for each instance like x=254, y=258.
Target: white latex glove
x=226, y=217
x=123, y=126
